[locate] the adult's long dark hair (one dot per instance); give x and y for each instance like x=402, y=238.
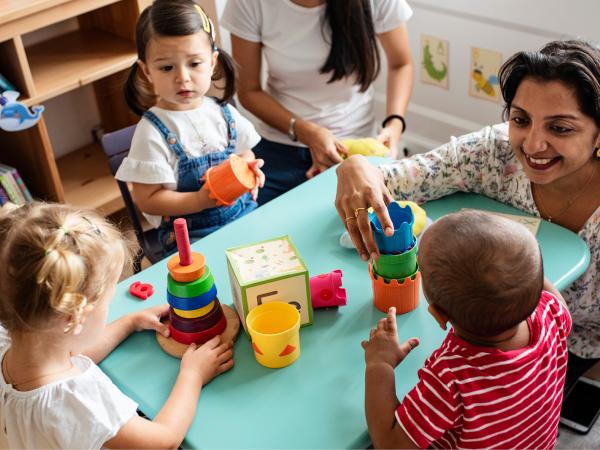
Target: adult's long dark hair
x=354, y=49
x=172, y=18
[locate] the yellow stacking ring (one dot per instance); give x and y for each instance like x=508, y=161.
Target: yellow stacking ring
x=194, y=313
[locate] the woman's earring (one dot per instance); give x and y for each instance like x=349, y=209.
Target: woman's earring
x=597, y=152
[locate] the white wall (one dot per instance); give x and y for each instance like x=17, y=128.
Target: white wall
x=434, y=114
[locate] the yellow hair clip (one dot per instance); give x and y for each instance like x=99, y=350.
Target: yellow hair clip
x=205, y=20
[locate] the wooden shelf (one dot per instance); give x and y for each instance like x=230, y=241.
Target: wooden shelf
x=88, y=182
x=75, y=59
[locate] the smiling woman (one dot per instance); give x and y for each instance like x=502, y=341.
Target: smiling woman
x=544, y=161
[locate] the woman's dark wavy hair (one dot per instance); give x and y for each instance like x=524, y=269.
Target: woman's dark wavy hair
x=171, y=18
x=353, y=45
x=574, y=63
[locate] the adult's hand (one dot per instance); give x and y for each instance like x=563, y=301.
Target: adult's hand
x=324, y=148
x=360, y=186
x=390, y=136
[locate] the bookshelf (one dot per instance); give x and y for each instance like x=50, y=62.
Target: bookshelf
x=98, y=53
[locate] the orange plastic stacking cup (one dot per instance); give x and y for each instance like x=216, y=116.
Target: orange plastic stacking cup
x=400, y=293
x=229, y=180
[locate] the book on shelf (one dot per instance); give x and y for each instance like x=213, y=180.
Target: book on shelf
x=5, y=85
x=13, y=185
x=3, y=196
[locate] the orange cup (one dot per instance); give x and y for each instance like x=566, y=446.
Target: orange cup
x=229, y=180
x=403, y=294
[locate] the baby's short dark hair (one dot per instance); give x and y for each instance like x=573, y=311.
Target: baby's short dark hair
x=483, y=271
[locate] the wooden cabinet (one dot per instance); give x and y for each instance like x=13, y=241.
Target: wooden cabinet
x=99, y=53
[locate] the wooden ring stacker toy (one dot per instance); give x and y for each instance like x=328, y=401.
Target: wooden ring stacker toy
x=231, y=327
x=194, y=313
x=177, y=349
x=193, y=288
x=185, y=266
x=192, y=303
x=198, y=323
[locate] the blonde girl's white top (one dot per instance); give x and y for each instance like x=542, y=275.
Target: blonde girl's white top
x=81, y=412
x=484, y=162
x=295, y=46
x=201, y=131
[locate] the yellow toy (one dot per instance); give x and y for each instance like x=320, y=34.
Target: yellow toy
x=418, y=213
x=365, y=146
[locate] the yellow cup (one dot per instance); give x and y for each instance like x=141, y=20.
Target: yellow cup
x=274, y=328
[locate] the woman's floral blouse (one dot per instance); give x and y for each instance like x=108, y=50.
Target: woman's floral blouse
x=483, y=162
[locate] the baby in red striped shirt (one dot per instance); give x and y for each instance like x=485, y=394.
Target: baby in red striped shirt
x=497, y=379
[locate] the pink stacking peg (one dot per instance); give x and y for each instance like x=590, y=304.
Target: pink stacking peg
x=326, y=290
x=183, y=242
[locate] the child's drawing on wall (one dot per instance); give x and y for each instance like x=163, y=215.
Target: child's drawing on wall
x=434, y=63
x=483, y=80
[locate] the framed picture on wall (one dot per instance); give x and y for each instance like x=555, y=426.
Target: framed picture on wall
x=434, y=62
x=483, y=76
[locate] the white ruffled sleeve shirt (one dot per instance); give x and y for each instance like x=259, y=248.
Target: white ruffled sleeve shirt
x=81, y=412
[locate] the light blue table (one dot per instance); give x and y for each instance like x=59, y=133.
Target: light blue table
x=317, y=402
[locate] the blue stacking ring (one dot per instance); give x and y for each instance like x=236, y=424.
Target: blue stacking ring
x=188, y=304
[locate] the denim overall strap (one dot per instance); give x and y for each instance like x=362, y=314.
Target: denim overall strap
x=189, y=179
x=170, y=137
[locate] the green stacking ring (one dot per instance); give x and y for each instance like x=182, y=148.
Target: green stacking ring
x=193, y=288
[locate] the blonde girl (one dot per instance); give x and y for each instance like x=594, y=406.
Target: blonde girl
x=58, y=270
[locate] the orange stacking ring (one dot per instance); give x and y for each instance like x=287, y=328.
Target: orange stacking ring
x=403, y=295
x=185, y=274
x=199, y=337
x=229, y=180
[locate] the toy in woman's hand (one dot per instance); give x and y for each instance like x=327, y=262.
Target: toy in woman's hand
x=229, y=180
x=326, y=290
x=420, y=222
x=195, y=314
x=364, y=146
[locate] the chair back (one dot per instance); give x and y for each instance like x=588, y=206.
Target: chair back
x=116, y=146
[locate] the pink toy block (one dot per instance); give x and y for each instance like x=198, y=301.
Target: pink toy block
x=326, y=290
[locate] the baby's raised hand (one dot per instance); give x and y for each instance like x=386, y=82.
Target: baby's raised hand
x=383, y=345
x=209, y=360
x=255, y=165
x=150, y=319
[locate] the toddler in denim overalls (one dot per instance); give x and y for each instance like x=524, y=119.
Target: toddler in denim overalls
x=187, y=132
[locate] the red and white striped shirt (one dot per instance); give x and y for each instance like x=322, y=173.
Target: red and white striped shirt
x=477, y=397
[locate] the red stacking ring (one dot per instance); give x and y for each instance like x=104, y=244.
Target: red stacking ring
x=196, y=324
x=201, y=336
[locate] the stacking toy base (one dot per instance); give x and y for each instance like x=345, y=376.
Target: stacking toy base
x=176, y=349
x=403, y=296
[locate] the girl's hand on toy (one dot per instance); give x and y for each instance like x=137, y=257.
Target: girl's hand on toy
x=383, y=346
x=361, y=185
x=207, y=361
x=260, y=176
x=150, y=319
x=390, y=137
x=324, y=148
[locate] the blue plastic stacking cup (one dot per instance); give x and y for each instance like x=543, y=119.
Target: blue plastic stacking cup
x=402, y=239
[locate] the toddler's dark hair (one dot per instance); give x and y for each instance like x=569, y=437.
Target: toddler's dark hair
x=173, y=18
x=484, y=271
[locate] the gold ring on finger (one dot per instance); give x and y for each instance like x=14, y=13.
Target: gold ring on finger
x=349, y=218
x=357, y=212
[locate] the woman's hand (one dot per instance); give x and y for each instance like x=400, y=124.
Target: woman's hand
x=390, y=136
x=324, y=148
x=360, y=186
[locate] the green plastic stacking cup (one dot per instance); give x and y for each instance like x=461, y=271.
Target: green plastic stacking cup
x=397, y=266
